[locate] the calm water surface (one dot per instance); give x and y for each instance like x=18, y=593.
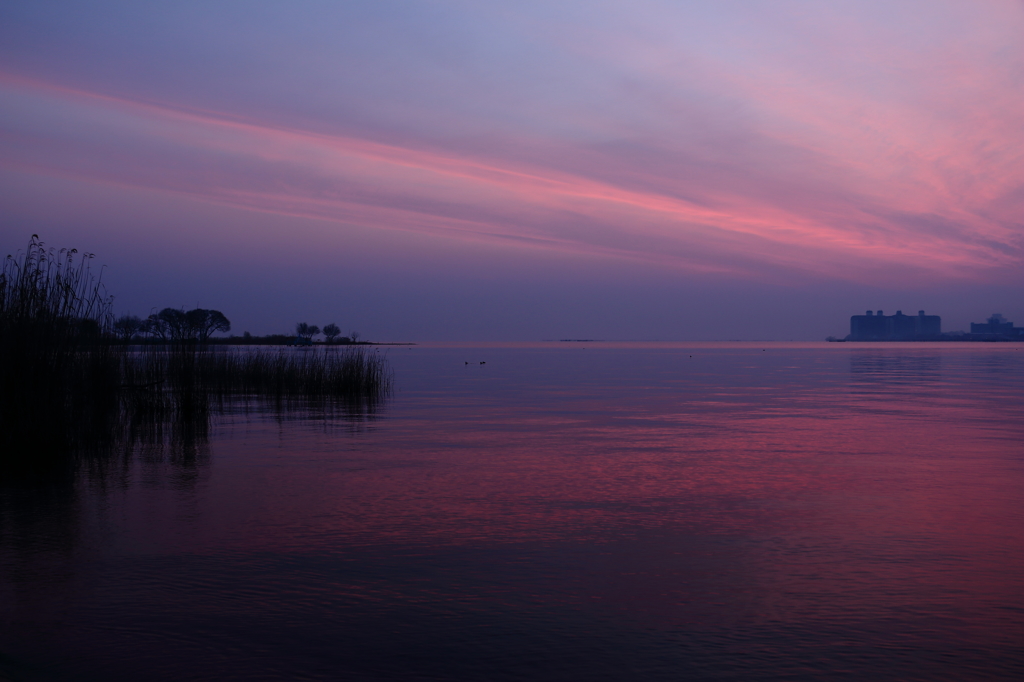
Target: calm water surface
x=580, y=511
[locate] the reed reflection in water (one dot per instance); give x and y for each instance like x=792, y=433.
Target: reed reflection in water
x=560, y=512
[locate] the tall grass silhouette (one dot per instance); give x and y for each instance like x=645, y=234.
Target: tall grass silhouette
x=58, y=378
x=190, y=372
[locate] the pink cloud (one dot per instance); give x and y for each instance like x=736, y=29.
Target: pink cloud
x=822, y=179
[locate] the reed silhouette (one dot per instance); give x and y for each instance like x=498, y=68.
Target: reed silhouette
x=58, y=379
x=189, y=369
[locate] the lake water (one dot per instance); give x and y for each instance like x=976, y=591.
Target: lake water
x=565, y=511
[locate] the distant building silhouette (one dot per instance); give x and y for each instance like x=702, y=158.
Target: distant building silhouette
x=898, y=327
x=996, y=328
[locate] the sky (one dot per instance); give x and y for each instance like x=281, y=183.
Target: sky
x=524, y=171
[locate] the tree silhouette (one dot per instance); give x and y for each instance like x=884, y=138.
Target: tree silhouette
x=154, y=327
x=202, y=323
x=128, y=326
x=174, y=324
x=307, y=331
x=331, y=332
x=170, y=324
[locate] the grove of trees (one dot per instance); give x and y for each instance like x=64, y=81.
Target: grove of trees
x=177, y=325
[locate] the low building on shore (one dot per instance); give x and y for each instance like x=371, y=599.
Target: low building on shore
x=877, y=326
x=996, y=328
x=899, y=327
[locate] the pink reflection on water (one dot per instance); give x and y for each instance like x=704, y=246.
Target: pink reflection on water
x=801, y=506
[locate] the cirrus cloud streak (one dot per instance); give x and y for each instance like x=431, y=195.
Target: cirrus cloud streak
x=882, y=161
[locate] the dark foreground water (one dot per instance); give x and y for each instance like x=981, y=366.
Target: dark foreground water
x=562, y=512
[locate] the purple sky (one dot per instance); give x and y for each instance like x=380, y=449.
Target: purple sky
x=527, y=170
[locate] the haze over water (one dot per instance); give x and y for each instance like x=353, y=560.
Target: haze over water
x=566, y=511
